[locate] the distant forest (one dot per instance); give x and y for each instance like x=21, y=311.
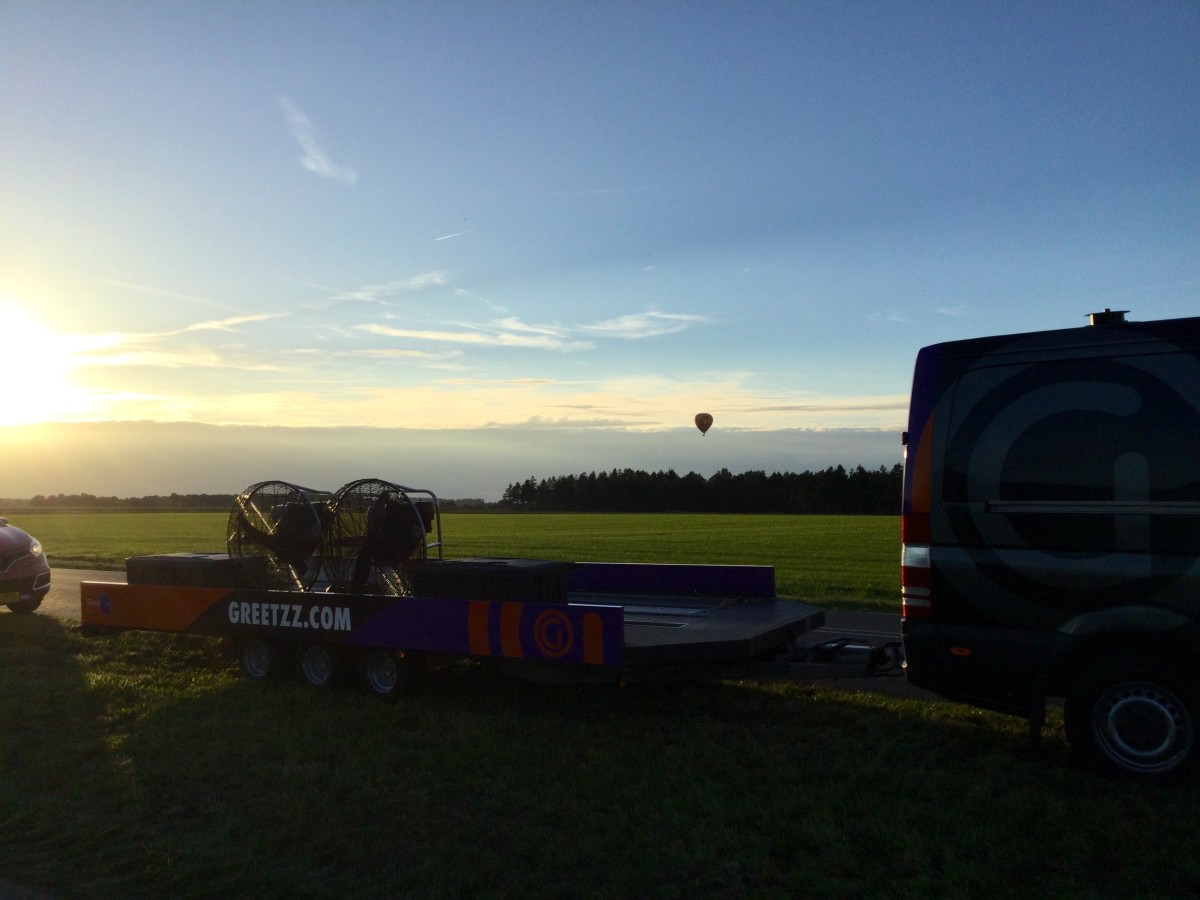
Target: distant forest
x=189, y=502
x=837, y=490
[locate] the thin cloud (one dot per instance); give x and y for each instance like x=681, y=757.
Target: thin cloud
x=493, y=306
x=228, y=324
x=314, y=159
x=506, y=334
x=637, y=326
x=829, y=406
x=128, y=356
x=512, y=332
x=379, y=293
x=159, y=292
x=494, y=381
x=159, y=349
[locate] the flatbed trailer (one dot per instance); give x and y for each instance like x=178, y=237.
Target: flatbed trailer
x=573, y=621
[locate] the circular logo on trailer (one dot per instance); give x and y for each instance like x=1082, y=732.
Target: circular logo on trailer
x=553, y=634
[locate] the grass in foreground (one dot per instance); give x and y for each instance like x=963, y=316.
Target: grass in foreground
x=831, y=560
x=143, y=766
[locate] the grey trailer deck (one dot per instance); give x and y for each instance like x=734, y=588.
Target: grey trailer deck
x=681, y=614
x=686, y=629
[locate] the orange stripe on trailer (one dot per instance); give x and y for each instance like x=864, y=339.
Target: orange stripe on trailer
x=477, y=628
x=510, y=630
x=593, y=640
x=151, y=607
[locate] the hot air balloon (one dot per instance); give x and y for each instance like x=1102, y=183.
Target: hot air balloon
x=703, y=422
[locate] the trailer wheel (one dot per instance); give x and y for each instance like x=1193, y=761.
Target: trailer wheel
x=258, y=659
x=1134, y=715
x=317, y=665
x=382, y=673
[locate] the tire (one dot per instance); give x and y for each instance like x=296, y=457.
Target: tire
x=259, y=659
x=1135, y=716
x=25, y=606
x=318, y=665
x=382, y=674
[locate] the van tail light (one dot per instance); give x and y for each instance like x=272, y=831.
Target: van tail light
x=915, y=581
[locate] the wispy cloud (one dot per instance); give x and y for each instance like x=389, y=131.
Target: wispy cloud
x=837, y=405
x=131, y=352
x=492, y=305
x=229, y=324
x=165, y=349
x=502, y=381
x=314, y=159
x=504, y=333
x=636, y=326
x=511, y=331
x=377, y=293
x=159, y=292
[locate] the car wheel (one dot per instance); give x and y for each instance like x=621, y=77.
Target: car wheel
x=317, y=664
x=382, y=674
x=25, y=606
x=259, y=659
x=1135, y=716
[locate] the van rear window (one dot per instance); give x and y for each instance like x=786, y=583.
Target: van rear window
x=1096, y=454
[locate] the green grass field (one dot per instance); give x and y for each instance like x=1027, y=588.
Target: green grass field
x=835, y=560
x=143, y=765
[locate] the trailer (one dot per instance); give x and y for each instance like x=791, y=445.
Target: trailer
x=329, y=587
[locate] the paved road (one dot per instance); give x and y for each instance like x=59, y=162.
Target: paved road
x=63, y=600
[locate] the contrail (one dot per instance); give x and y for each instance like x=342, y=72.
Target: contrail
x=446, y=237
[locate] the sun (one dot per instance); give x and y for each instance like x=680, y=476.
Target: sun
x=36, y=371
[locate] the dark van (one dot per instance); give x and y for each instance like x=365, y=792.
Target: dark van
x=1051, y=534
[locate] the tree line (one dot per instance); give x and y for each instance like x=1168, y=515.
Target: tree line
x=91, y=501
x=180, y=502
x=836, y=490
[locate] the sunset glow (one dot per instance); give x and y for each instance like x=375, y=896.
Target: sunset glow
x=38, y=372
x=550, y=234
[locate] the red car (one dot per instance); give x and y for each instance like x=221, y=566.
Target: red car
x=24, y=572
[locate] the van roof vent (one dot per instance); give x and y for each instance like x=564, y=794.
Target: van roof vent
x=1108, y=317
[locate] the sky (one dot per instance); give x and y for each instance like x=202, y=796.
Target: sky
x=458, y=244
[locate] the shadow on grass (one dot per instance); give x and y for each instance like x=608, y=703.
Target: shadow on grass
x=178, y=778
x=60, y=779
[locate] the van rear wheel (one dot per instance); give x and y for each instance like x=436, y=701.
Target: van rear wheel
x=1135, y=716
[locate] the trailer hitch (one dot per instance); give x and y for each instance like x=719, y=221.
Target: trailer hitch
x=845, y=658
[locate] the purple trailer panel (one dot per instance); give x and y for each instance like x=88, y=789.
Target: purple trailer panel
x=587, y=635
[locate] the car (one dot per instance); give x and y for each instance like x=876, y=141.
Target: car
x=1051, y=535
x=24, y=572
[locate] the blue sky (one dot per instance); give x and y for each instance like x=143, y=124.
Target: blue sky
x=562, y=229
